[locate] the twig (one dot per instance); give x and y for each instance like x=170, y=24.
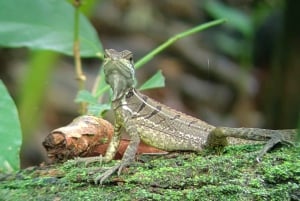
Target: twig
x=76, y=50
x=173, y=39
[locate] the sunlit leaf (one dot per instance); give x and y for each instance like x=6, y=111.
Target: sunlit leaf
x=45, y=25
x=10, y=133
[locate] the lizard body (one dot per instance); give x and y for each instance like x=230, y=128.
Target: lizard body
x=160, y=126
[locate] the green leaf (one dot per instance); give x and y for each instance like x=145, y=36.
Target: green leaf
x=10, y=133
x=45, y=25
x=85, y=96
x=156, y=81
x=235, y=18
x=94, y=108
x=98, y=109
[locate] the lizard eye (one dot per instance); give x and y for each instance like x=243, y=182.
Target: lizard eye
x=107, y=53
x=130, y=59
x=127, y=55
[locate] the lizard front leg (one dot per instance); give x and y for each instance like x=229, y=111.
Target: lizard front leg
x=128, y=157
x=272, y=137
x=114, y=143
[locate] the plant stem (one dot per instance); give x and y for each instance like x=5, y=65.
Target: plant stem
x=173, y=39
x=76, y=50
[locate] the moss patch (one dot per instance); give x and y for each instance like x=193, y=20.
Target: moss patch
x=231, y=174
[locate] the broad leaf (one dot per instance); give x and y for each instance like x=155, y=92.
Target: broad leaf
x=10, y=133
x=45, y=25
x=156, y=81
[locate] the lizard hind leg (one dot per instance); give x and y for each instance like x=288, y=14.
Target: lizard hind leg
x=272, y=137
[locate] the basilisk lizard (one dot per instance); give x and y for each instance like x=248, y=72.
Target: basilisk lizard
x=160, y=126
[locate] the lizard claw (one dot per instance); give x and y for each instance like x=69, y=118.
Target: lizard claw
x=118, y=167
x=275, y=139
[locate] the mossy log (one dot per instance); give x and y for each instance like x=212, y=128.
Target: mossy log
x=226, y=174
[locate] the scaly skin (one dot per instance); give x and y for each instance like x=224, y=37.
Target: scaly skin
x=160, y=126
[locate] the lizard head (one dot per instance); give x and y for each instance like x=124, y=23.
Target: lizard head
x=119, y=71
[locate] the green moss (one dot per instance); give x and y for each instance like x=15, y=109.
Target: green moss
x=230, y=174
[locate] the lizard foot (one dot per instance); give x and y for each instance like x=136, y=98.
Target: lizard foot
x=276, y=138
x=118, y=167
